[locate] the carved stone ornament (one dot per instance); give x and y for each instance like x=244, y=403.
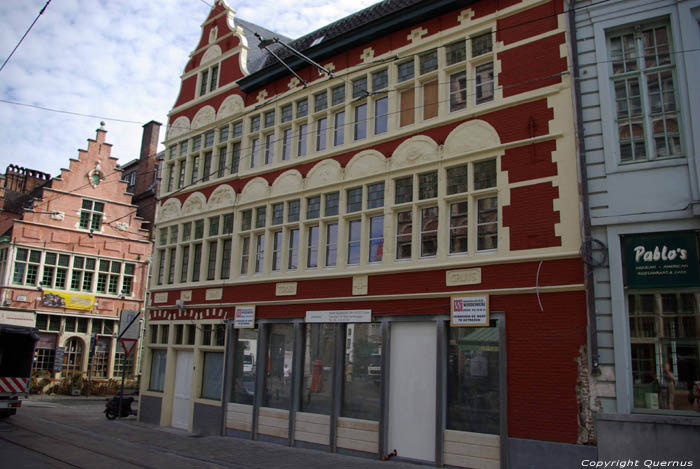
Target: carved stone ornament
x=213, y=294
x=470, y=137
x=213, y=34
x=195, y=203
x=287, y=183
x=360, y=284
x=204, y=116
x=160, y=297
x=255, y=190
x=213, y=53
x=324, y=173
x=121, y=226
x=463, y=277
x=364, y=163
x=58, y=216
x=169, y=210
x=180, y=126
x=415, y=150
x=222, y=197
x=231, y=106
x=96, y=176
x=286, y=289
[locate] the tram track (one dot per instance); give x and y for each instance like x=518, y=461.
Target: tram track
x=63, y=441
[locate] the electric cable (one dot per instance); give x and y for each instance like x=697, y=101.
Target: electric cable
x=41, y=12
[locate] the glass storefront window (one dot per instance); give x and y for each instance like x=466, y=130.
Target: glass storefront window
x=212, y=375
x=473, y=385
x=278, y=370
x=317, y=390
x=244, y=367
x=362, y=373
x=665, y=343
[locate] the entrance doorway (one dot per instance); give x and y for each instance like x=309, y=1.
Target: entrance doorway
x=183, y=390
x=412, y=390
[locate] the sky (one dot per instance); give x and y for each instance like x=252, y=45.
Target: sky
x=114, y=61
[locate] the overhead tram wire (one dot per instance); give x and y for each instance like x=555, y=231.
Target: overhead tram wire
x=41, y=12
x=341, y=76
x=243, y=150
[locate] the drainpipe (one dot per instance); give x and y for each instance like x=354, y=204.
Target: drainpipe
x=585, y=208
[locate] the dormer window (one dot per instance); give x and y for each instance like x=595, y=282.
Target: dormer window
x=208, y=79
x=91, y=215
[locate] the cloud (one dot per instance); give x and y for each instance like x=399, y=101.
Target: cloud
x=119, y=60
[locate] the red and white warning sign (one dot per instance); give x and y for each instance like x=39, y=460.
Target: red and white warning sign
x=128, y=345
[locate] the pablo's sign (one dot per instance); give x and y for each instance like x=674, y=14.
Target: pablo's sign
x=661, y=260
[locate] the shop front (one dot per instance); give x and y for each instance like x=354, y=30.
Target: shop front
x=405, y=386
x=663, y=288
x=658, y=360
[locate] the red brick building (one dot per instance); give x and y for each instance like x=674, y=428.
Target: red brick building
x=422, y=178
x=74, y=258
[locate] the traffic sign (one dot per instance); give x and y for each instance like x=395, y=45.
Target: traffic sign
x=128, y=345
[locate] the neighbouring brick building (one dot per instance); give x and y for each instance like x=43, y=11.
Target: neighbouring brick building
x=142, y=175
x=72, y=260
x=356, y=219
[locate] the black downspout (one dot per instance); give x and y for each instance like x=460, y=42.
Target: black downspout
x=585, y=208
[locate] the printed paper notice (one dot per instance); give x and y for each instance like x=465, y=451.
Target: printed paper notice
x=244, y=317
x=470, y=311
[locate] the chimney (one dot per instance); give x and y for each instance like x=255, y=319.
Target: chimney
x=149, y=141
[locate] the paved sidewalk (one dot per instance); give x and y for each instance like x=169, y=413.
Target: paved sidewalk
x=170, y=448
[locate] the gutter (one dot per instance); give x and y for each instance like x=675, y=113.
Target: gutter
x=585, y=207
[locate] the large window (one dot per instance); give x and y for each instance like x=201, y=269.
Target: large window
x=644, y=89
x=72, y=357
x=280, y=358
x=665, y=341
x=473, y=383
x=317, y=388
x=91, y=215
x=212, y=375
x=157, y=378
x=26, y=267
x=244, y=367
x=362, y=373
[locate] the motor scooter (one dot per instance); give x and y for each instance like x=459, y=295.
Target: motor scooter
x=112, y=410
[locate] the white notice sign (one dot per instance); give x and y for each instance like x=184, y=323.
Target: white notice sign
x=470, y=310
x=343, y=315
x=244, y=317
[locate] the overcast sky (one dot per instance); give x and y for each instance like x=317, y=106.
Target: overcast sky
x=112, y=59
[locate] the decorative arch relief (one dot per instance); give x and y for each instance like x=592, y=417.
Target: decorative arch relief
x=471, y=137
x=414, y=151
x=212, y=53
x=324, y=173
x=195, y=203
x=364, y=163
x=288, y=182
x=256, y=189
x=204, y=116
x=180, y=126
x=231, y=106
x=170, y=210
x=222, y=197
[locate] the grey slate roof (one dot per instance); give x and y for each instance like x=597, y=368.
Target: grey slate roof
x=338, y=28
x=257, y=56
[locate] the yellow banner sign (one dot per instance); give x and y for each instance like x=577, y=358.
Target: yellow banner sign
x=60, y=299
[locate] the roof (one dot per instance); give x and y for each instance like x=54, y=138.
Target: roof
x=364, y=26
x=256, y=56
x=340, y=27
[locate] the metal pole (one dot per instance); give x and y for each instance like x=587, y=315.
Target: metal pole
x=126, y=357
